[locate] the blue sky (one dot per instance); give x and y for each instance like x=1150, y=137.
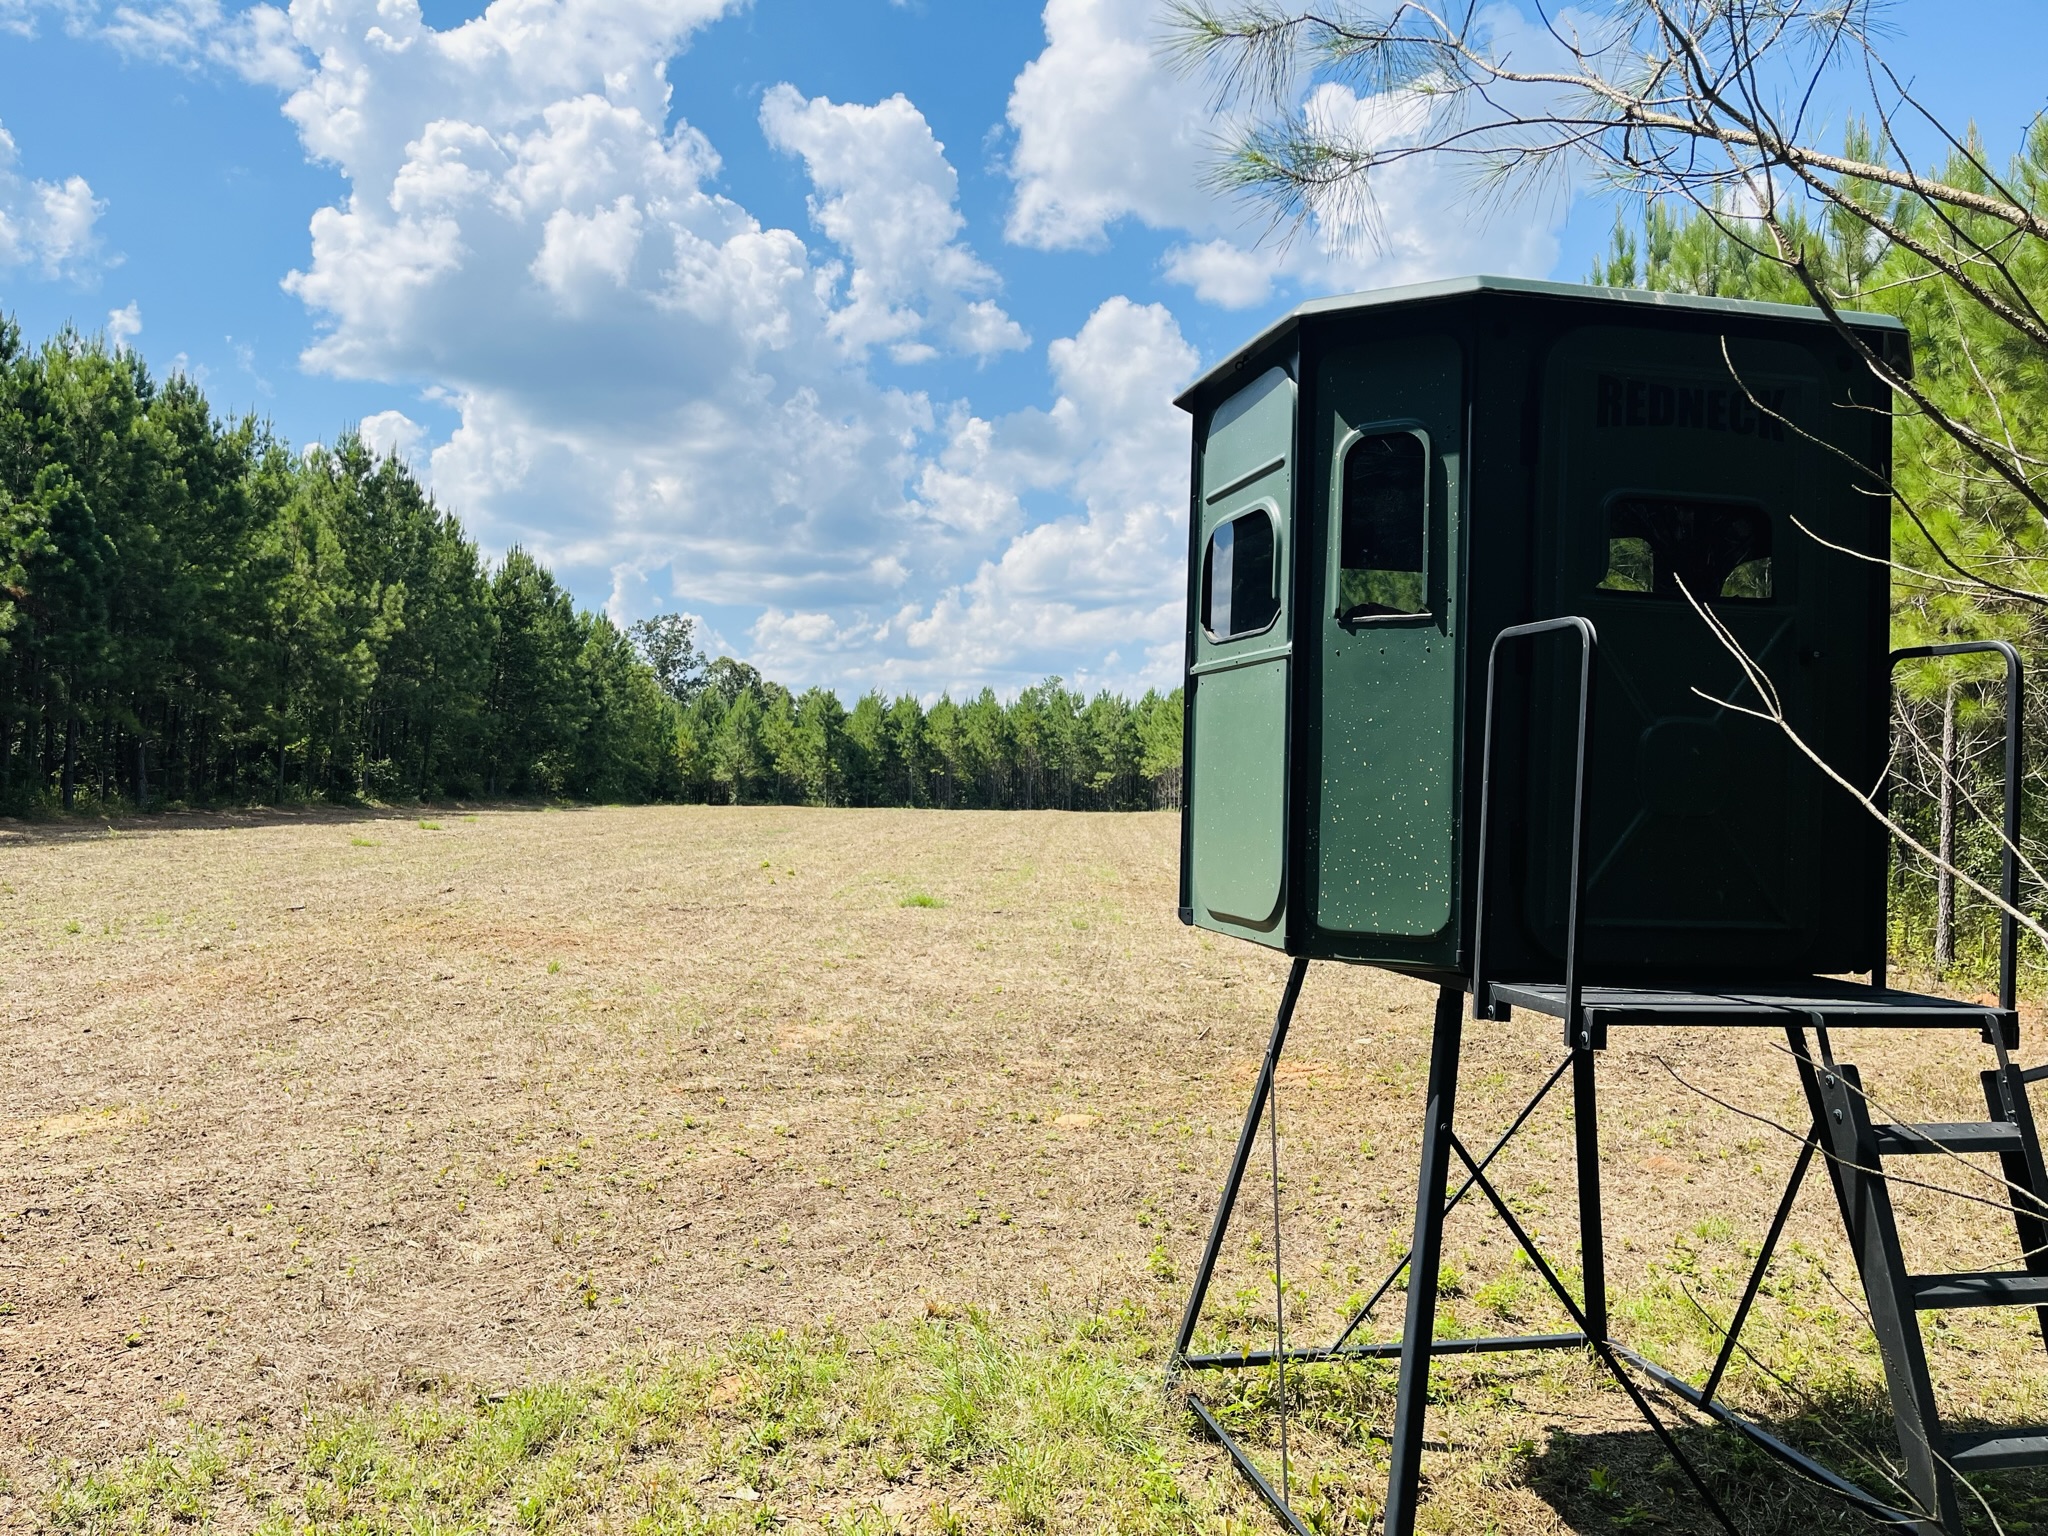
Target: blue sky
x=847, y=325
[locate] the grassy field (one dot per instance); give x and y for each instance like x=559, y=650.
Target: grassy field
x=698, y=1169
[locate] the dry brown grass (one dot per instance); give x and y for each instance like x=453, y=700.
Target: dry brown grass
x=321, y=1109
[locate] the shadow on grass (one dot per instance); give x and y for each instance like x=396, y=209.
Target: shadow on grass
x=1598, y=1480
x=1626, y=1480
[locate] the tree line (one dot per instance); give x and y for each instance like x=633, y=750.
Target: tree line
x=741, y=737
x=193, y=613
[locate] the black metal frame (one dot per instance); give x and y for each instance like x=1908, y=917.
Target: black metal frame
x=1587, y=1020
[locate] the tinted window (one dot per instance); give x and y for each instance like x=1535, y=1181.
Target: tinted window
x=1385, y=526
x=1717, y=548
x=1240, y=589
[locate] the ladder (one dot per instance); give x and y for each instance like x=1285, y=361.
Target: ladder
x=1859, y=1152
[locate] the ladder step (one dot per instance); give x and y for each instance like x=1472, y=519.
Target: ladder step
x=2015, y=1288
x=1970, y=1136
x=1987, y=1450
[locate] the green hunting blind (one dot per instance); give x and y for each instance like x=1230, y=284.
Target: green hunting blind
x=1384, y=482
x=1455, y=708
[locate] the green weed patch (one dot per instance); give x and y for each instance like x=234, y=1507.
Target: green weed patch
x=948, y=1425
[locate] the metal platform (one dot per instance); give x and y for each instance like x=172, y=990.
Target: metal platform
x=1772, y=1005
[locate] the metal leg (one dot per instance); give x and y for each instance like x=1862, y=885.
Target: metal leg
x=1247, y=1139
x=1592, y=1238
x=1426, y=1257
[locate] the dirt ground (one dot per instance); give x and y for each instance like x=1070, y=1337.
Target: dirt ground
x=316, y=1108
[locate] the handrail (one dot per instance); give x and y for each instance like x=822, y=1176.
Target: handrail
x=2009, y=886
x=1482, y=1002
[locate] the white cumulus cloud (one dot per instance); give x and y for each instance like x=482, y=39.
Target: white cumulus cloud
x=1105, y=130
x=1097, y=591
x=46, y=227
x=255, y=43
x=391, y=434
x=649, y=382
x=1223, y=272
x=578, y=250
x=124, y=324
x=886, y=196
x=658, y=393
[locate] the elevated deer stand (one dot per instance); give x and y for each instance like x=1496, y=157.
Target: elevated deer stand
x=1451, y=553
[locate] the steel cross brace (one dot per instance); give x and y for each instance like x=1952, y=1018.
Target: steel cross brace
x=1423, y=1260
x=1418, y=1345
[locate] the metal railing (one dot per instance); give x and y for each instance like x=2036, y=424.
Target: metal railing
x=1589, y=640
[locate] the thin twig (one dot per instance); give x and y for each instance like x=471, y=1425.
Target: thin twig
x=1774, y=714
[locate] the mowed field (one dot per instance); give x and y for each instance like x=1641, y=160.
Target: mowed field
x=702, y=1169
